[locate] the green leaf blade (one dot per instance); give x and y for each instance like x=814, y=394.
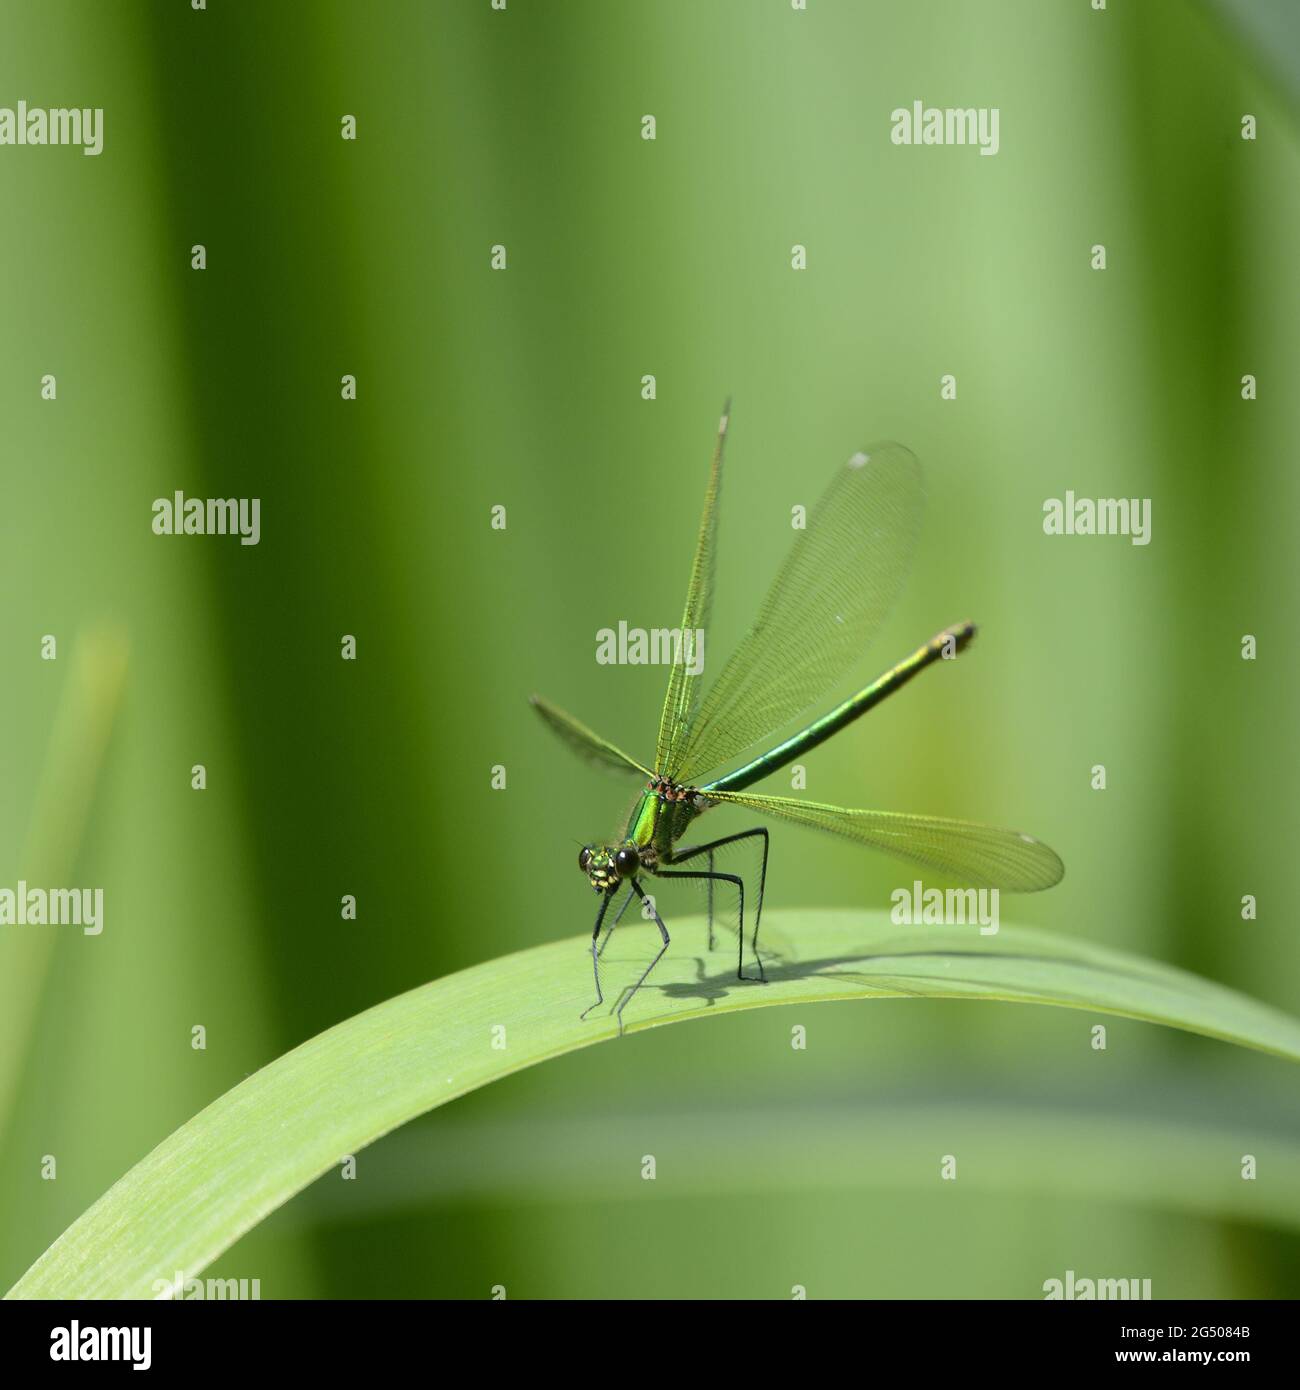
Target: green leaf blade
x=255, y=1147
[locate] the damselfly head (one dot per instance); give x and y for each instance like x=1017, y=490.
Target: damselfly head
x=607, y=865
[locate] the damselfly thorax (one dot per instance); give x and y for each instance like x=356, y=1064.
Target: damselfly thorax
x=661, y=816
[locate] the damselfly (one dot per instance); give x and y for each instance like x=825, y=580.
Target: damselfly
x=827, y=602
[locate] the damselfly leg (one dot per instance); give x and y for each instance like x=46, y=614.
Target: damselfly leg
x=686, y=855
x=618, y=917
x=595, y=954
x=663, y=932
x=719, y=878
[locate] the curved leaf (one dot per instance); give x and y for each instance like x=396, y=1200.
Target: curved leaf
x=260, y=1143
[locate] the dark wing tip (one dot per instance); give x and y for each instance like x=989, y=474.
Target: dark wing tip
x=965, y=633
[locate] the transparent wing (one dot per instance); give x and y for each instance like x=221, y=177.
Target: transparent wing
x=828, y=600
x=588, y=746
x=980, y=856
x=683, y=695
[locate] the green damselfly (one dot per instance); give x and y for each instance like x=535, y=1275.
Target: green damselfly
x=827, y=602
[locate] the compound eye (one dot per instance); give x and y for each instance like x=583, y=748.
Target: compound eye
x=627, y=861
x=584, y=858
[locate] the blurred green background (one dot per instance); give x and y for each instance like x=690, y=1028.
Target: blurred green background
x=521, y=388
